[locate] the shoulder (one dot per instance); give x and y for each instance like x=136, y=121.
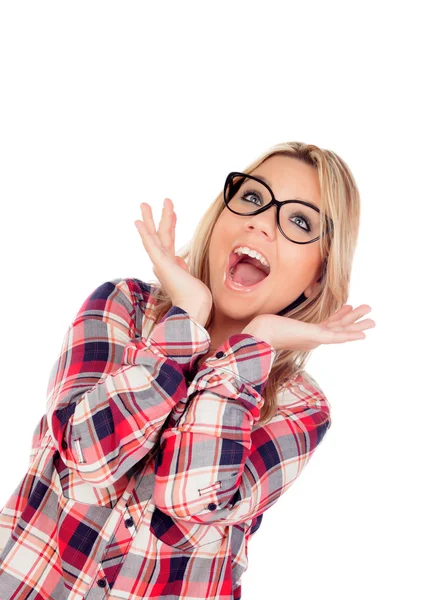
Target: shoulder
x=124, y=288
x=140, y=289
x=124, y=302
x=131, y=286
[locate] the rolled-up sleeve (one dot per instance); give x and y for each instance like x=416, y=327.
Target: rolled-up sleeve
x=217, y=465
x=109, y=391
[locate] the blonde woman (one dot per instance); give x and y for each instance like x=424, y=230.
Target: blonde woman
x=179, y=410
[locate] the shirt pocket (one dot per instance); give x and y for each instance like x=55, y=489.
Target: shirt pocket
x=75, y=488
x=187, y=536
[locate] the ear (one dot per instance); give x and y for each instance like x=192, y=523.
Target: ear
x=312, y=289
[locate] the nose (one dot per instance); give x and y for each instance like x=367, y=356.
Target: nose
x=265, y=221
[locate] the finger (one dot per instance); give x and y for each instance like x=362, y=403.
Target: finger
x=146, y=211
x=166, y=226
x=148, y=238
x=345, y=309
x=353, y=315
x=356, y=314
x=339, y=337
x=359, y=326
x=151, y=243
x=349, y=336
x=335, y=319
x=149, y=227
x=173, y=232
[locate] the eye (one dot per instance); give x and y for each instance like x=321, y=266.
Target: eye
x=308, y=228
x=251, y=193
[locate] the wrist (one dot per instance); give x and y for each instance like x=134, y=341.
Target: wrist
x=253, y=328
x=197, y=311
x=201, y=318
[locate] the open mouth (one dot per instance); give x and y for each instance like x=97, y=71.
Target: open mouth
x=245, y=271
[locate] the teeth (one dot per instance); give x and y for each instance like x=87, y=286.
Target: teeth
x=253, y=254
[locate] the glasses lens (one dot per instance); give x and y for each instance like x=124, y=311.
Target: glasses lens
x=298, y=222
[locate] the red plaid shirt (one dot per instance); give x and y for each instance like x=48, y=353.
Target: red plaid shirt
x=88, y=521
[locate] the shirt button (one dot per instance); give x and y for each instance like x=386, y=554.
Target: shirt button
x=220, y=354
x=212, y=506
x=101, y=583
x=63, y=444
x=129, y=522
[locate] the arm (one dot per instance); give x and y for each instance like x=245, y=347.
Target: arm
x=109, y=393
x=218, y=465
x=39, y=433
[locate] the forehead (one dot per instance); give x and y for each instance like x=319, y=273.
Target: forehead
x=290, y=178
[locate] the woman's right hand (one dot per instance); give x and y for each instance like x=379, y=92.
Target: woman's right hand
x=184, y=290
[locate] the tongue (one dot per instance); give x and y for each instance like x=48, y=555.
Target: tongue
x=247, y=274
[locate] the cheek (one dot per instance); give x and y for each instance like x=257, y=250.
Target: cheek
x=297, y=271
x=300, y=258
x=220, y=242
x=216, y=253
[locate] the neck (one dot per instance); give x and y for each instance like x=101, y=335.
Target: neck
x=222, y=329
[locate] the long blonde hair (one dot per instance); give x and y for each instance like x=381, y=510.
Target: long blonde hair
x=340, y=200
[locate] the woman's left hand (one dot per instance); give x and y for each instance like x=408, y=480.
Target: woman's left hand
x=284, y=333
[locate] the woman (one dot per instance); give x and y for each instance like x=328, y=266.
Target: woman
x=178, y=412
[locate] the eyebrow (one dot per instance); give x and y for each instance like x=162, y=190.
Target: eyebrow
x=265, y=180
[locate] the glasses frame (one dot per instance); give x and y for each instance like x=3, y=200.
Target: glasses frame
x=278, y=204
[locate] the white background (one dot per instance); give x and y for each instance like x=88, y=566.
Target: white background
x=105, y=105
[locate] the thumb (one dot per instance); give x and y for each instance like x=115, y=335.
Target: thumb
x=181, y=263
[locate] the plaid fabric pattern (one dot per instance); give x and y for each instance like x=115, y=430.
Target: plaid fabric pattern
x=91, y=518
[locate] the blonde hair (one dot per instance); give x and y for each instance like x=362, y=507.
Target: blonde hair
x=340, y=200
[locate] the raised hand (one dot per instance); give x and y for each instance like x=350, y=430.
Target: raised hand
x=184, y=290
x=284, y=333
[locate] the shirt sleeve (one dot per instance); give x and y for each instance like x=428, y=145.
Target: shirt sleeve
x=218, y=465
x=37, y=438
x=109, y=393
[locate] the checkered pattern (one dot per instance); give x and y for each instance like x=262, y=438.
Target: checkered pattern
x=91, y=518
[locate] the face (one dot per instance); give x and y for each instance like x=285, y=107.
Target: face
x=294, y=268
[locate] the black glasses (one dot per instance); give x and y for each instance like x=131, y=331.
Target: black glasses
x=298, y=221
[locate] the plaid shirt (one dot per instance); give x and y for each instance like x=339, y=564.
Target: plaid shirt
x=91, y=519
